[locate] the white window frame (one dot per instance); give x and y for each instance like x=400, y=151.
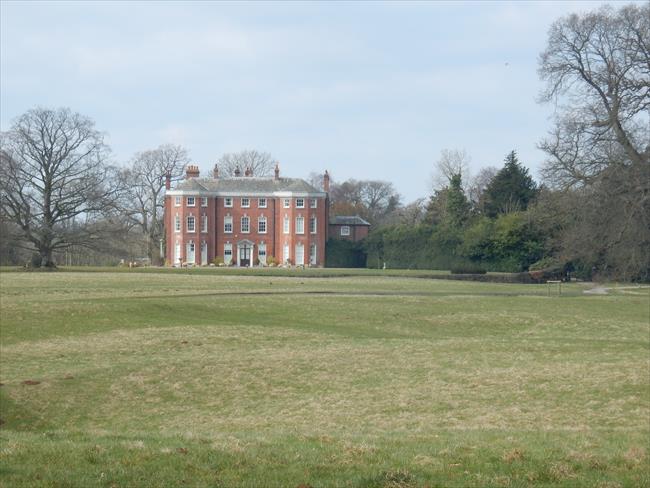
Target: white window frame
x=177, y=201
x=299, y=254
x=286, y=253
x=313, y=254
x=192, y=200
x=313, y=203
x=261, y=203
x=313, y=224
x=247, y=203
x=286, y=203
x=300, y=224
x=177, y=223
x=300, y=203
x=261, y=252
x=227, y=221
x=204, y=223
x=286, y=225
x=227, y=202
x=204, y=201
x=227, y=247
x=248, y=224
x=192, y=219
x=261, y=220
x=345, y=230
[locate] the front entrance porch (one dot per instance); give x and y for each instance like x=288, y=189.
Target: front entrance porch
x=245, y=253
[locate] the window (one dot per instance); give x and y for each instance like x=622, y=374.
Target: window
x=190, y=223
x=286, y=203
x=227, y=202
x=345, y=230
x=261, y=225
x=227, y=224
x=313, y=203
x=245, y=202
x=312, y=225
x=204, y=223
x=300, y=254
x=285, y=253
x=190, y=201
x=177, y=202
x=285, y=226
x=204, y=201
x=261, y=203
x=227, y=253
x=313, y=258
x=177, y=223
x=300, y=225
x=261, y=253
x=300, y=203
x=245, y=224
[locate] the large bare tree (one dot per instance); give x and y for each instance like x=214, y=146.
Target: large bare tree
x=144, y=182
x=55, y=181
x=597, y=72
x=261, y=163
x=450, y=163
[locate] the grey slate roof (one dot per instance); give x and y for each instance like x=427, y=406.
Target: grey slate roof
x=246, y=184
x=348, y=220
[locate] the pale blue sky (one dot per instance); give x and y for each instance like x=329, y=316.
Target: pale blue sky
x=366, y=90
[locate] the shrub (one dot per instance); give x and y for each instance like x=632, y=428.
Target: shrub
x=218, y=261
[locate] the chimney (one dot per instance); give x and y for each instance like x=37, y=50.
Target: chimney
x=168, y=181
x=215, y=172
x=248, y=172
x=192, y=171
x=237, y=172
x=326, y=182
x=277, y=171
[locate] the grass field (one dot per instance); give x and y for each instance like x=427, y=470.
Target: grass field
x=216, y=379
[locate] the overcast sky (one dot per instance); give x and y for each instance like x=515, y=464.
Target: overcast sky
x=366, y=90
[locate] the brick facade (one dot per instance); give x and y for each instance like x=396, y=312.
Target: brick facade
x=200, y=244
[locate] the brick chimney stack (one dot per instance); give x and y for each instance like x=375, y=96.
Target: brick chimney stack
x=237, y=172
x=277, y=171
x=215, y=171
x=168, y=181
x=326, y=182
x=192, y=171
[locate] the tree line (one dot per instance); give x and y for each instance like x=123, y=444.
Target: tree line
x=64, y=201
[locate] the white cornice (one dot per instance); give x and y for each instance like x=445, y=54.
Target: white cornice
x=277, y=194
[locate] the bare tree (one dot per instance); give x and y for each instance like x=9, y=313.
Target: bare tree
x=451, y=162
x=597, y=69
x=479, y=183
x=55, y=181
x=372, y=200
x=144, y=181
x=317, y=180
x=261, y=163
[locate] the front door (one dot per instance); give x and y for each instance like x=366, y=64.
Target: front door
x=245, y=255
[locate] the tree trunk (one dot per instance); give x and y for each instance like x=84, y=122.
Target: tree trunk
x=46, y=257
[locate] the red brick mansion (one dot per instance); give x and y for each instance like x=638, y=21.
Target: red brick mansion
x=245, y=220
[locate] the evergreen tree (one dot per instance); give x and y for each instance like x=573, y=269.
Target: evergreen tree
x=511, y=190
x=457, y=203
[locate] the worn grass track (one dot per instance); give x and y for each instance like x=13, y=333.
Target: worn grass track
x=198, y=379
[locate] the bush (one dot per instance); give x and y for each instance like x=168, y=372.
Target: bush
x=218, y=261
x=344, y=254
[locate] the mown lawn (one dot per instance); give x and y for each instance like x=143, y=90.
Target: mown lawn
x=216, y=379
